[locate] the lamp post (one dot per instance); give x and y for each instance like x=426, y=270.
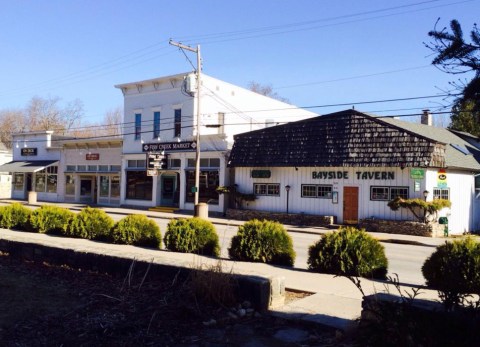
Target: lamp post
x=197, y=153
x=287, y=188
x=425, y=194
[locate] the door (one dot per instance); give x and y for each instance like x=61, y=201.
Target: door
x=168, y=190
x=350, y=205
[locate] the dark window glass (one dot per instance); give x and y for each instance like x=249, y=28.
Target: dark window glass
x=139, y=185
x=208, y=184
x=156, y=124
x=138, y=126
x=178, y=123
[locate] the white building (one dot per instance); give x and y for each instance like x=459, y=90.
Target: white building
x=160, y=116
x=61, y=169
x=5, y=177
x=350, y=165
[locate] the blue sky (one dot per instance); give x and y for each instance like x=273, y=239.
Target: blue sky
x=314, y=53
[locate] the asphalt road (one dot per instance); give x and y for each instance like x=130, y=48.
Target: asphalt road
x=404, y=260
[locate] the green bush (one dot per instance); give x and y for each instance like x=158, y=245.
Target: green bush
x=137, y=229
x=51, y=219
x=454, y=270
x=262, y=241
x=192, y=235
x=91, y=223
x=15, y=216
x=348, y=252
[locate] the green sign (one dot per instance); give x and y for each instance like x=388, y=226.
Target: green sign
x=261, y=173
x=417, y=174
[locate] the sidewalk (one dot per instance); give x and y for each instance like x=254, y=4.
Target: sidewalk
x=336, y=301
x=382, y=237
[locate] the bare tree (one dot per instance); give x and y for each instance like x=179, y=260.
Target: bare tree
x=11, y=121
x=266, y=90
x=112, y=122
x=47, y=114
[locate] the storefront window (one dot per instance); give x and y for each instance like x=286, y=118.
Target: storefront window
x=18, y=180
x=70, y=185
x=40, y=181
x=379, y=193
x=51, y=183
x=209, y=182
x=115, y=186
x=139, y=185
x=104, y=184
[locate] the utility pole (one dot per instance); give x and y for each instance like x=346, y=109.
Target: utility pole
x=197, y=157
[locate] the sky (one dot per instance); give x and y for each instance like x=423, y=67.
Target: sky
x=315, y=53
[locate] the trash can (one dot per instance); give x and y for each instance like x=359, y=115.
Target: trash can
x=444, y=221
x=201, y=210
x=32, y=197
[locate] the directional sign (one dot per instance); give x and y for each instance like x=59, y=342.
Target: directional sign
x=170, y=146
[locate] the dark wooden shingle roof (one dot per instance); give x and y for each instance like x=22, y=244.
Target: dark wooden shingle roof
x=342, y=139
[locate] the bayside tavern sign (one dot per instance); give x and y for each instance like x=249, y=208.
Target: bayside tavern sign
x=366, y=175
x=169, y=146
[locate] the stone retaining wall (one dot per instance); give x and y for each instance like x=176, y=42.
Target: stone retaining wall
x=284, y=218
x=402, y=227
x=263, y=293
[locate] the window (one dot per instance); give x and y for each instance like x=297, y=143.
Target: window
x=139, y=185
x=178, y=123
x=92, y=168
x=104, y=186
x=103, y=168
x=69, y=185
x=269, y=189
x=316, y=191
x=138, y=126
x=324, y=192
x=156, y=124
x=205, y=162
x=309, y=191
x=115, y=187
x=398, y=192
x=379, y=193
x=18, y=179
x=46, y=180
x=209, y=182
x=388, y=193
x=81, y=168
x=136, y=163
x=174, y=163
x=441, y=193
x=70, y=168
x=115, y=168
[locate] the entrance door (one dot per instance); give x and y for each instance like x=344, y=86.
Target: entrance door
x=86, y=190
x=350, y=205
x=168, y=190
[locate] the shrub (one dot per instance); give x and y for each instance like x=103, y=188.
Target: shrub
x=15, y=216
x=454, y=270
x=51, y=219
x=348, y=252
x=262, y=241
x=192, y=235
x=91, y=223
x=137, y=229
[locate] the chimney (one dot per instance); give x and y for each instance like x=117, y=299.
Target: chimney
x=426, y=118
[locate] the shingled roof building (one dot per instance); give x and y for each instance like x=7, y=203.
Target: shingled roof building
x=349, y=164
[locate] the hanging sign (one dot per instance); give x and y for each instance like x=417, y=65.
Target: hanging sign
x=442, y=178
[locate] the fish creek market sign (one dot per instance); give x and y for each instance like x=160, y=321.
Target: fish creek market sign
x=366, y=175
x=169, y=146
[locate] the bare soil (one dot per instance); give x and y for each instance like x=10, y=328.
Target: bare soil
x=46, y=305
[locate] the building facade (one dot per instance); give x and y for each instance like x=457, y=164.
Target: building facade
x=60, y=169
x=160, y=117
x=350, y=165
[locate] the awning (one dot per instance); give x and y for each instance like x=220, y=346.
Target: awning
x=26, y=166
